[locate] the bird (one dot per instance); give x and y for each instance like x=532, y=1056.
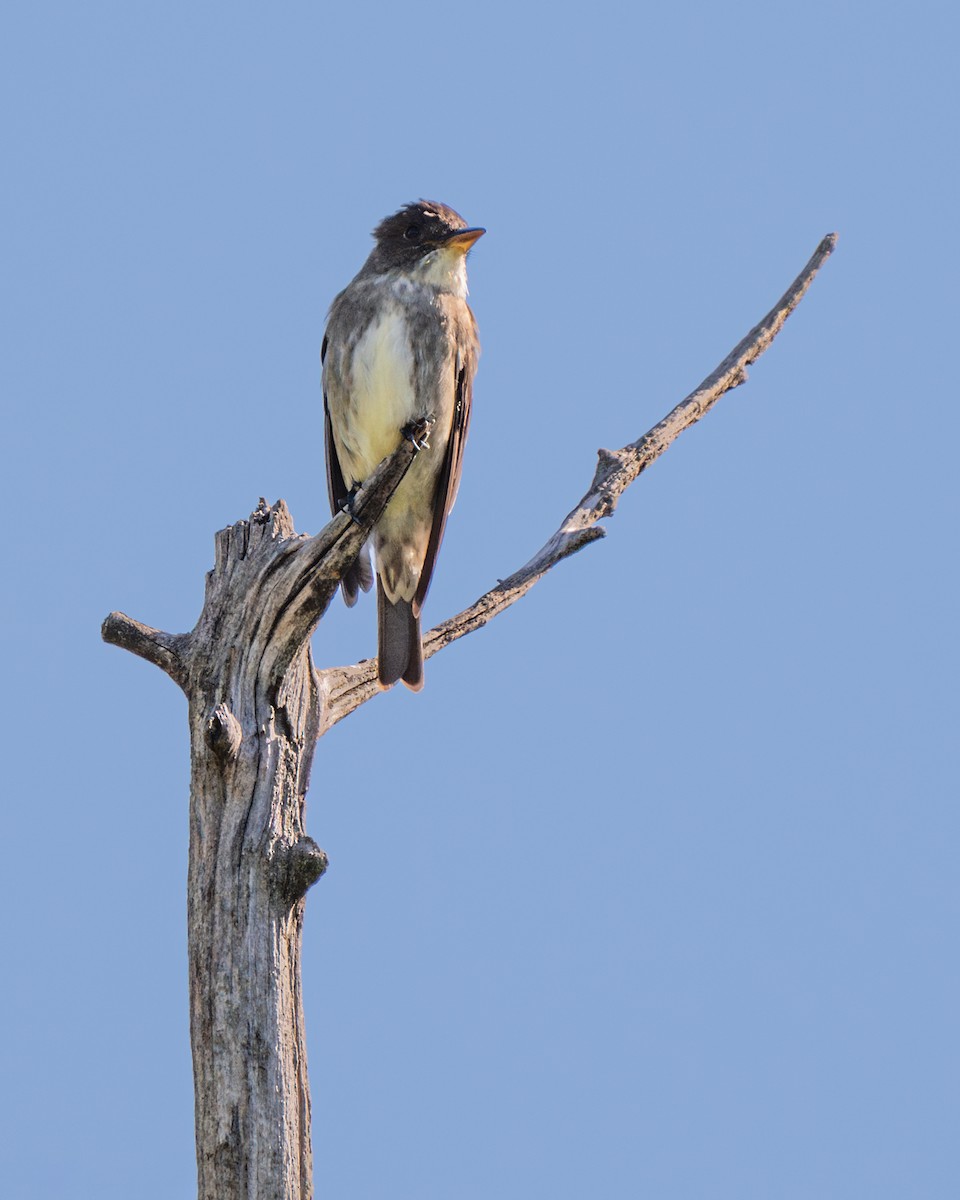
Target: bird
x=401, y=347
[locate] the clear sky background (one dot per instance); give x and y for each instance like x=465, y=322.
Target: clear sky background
x=653, y=890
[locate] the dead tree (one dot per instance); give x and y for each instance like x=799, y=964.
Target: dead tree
x=257, y=705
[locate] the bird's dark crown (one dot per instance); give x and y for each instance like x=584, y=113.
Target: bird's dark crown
x=423, y=223
x=407, y=235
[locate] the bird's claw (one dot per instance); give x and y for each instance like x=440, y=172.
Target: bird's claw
x=418, y=432
x=349, y=503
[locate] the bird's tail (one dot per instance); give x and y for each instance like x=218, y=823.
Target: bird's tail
x=357, y=578
x=400, y=653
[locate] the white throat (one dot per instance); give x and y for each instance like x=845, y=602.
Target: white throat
x=446, y=269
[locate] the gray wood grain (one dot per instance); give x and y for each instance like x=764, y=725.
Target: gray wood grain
x=255, y=709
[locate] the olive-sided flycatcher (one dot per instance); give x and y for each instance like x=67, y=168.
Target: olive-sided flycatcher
x=400, y=346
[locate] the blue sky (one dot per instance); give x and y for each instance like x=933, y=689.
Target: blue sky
x=653, y=890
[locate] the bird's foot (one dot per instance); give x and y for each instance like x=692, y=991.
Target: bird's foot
x=418, y=432
x=348, y=504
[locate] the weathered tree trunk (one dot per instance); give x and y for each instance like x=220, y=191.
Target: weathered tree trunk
x=257, y=707
x=255, y=714
x=252, y=733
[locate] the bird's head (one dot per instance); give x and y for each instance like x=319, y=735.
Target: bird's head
x=417, y=231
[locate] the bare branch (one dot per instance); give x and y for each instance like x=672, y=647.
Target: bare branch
x=291, y=586
x=297, y=589
x=346, y=688
x=165, y=650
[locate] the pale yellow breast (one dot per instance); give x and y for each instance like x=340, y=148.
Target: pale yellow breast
x=381, y=397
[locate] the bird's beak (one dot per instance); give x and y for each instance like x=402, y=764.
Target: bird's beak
x=463, y=239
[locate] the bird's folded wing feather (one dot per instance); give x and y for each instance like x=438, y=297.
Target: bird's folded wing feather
x=337, y=490
x=448, y=481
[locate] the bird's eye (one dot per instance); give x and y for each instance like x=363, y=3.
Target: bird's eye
x=412, y=233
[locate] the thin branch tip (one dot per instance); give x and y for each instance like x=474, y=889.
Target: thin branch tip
x=615, y=471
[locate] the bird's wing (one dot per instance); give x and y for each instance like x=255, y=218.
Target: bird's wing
x=448, y=480
x=359, y=575
x=337, y=490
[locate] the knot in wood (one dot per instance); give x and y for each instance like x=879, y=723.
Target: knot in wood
x=609, y=459
x=224, y=733
x=298, y=867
